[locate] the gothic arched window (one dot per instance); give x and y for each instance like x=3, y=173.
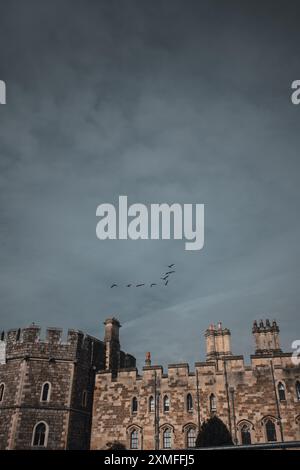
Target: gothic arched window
x=2, y=388
x=134, y=405
x=298, y=390
x=212, y=403
x=134, y=439
x=191, y=437
x=167, y=438
x=40, y=435
x=166, y=403
x=189, y=402
x=281, y=391
x=246, y=434
x=151, y=404
x=45, y=394
x=270, y=431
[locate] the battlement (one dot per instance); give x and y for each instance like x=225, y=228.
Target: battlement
x=205, y=372
x=27, y=342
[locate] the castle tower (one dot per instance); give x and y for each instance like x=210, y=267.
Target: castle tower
x=266, y=337
x=218, y=342
x=48, y=380
x=112, y=344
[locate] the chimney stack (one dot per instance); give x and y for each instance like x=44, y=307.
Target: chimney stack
x=266, y=338
x=218, y=342
x=112, y=344
x=148, y=359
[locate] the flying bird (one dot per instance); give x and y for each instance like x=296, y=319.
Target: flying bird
x=113, y=285
x=153, y=284
x=166, y=283
x=139, y=285
x=170, y=272
x=129, y=285
x=171, y=265
x=166, y=277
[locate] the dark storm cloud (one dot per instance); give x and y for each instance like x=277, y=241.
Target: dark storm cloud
x=163, y=101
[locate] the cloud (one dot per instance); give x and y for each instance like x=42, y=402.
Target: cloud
x=163, y=103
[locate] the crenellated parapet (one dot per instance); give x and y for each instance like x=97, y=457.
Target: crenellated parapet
x=27, y=342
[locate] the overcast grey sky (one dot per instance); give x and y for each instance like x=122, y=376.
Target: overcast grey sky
x=164, y=101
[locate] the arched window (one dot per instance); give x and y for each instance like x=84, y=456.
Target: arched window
x=45, y=393
x=212, y=403
x=151, y=404
x=191, y=437
x=2, y=387
x=84, y=399
x=270, y=431
x=134, y=439
x=167, y=439
x=189, y=402
x=134, y=405
x=40, y=435
x=281, y=391
x=18, y=336
x=246, y=434
x=298, y=390
x=166, y=403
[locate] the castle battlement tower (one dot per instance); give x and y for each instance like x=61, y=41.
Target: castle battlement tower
x=49, y=382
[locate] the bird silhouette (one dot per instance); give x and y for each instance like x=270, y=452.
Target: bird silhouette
x=139, y=285
x=153, y=284
x=113, y=285
x=164, y=278
x=166, y=283
x=129, y=285
x=170, y=272
x=171, y=265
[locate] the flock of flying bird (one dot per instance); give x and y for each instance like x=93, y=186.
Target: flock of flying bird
x=164, y=278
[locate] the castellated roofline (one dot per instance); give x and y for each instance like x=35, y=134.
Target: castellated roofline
x=27, y=342
x=32, y=334
x=181, y=371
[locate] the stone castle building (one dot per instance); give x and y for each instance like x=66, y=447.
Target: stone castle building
x=46, y=386
x=258, y=403
x=81, y=392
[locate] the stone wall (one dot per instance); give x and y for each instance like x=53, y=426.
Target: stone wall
x=245, y=396
x=70, y=369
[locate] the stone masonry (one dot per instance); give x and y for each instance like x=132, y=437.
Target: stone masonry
x=258, y=403
x=83, y=393
x=28, y=363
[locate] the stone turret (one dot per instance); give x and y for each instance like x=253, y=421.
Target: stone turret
x=266, y=337
x=218, y=342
